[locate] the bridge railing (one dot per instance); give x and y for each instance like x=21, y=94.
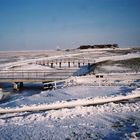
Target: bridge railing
x=35, y=74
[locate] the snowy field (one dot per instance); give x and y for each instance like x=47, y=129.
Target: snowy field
x=84, y=108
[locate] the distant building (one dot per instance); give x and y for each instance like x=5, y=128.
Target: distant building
x=113, y=46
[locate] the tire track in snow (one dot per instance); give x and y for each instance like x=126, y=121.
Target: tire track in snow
x=71, y=104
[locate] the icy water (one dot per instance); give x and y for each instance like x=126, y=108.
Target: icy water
x=29, y=89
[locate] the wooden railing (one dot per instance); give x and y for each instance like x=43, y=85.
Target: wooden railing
x=34, y=75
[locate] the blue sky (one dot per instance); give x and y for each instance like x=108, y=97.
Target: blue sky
x=46, y=24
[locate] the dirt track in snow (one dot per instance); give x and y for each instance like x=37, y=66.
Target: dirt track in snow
x=71, y=104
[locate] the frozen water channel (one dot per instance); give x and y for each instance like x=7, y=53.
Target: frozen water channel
x=29, y=97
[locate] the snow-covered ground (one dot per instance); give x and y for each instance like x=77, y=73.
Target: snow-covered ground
x=108, y=121
x=84, y=109
x=97, y=55
x=116, y=68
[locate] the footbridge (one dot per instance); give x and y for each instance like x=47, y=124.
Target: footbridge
x=65, y=62
x=18, y=77
x=60, y=69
